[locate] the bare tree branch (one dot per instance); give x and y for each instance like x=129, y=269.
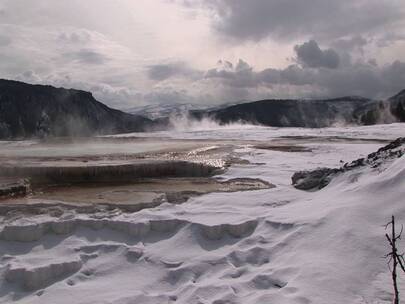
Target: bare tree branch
x=394, y=258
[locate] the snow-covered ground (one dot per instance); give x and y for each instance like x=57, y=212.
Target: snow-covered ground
x=279, y=245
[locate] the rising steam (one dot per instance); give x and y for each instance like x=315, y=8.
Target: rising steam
x=185, y=122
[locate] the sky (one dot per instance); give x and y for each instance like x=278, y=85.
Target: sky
x=130, y=53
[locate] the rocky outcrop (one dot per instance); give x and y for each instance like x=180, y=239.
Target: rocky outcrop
x=321, y=177
x=37, y=111
x=315, y=179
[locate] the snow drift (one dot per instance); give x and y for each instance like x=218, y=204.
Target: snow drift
x=278, y=245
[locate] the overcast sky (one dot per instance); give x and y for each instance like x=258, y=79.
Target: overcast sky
x=135, y=52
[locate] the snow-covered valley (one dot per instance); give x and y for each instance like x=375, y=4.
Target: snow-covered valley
x=266, y=244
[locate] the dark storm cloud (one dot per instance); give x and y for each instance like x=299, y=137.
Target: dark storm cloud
x=317, y=70
x=311, y=55
x=292, y=75
x=361, y=78
x=241, y=75
x=161, y=72
x=349, y=44
x=248, y=78
x=364, y=79
x=87, y=56
x=289, y=19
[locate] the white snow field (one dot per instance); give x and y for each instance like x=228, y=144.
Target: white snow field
x=275, y=246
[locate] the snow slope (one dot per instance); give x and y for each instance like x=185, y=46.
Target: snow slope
x=279, y=245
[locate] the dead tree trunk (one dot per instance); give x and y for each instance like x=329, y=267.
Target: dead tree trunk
x=394, y=257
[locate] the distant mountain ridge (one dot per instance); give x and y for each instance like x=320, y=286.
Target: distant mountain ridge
x=28, y=110
x=311, y=113
x=37, y=111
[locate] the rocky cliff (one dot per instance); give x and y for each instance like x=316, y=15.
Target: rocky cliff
x=37, y=111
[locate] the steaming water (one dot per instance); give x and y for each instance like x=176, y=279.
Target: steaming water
x=186, y=135
x=184, y=123
x=250, y=132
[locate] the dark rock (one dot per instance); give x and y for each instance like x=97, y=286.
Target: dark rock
x=36, y=111
x=320, y=178
x=316, y=179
